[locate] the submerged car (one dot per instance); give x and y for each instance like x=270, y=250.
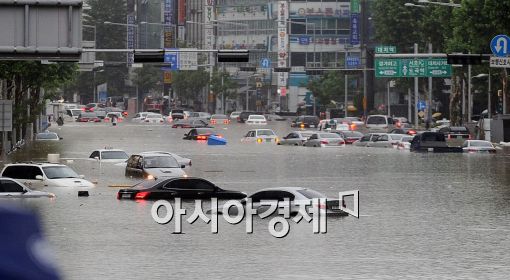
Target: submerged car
x=190, y=123
x=186, y=188
x=45, y=175
x=478, y=146
x=180, y=160
x=155, y=165
x=296, y=138
x=10, y=188
x=109, y=155
x=296, y=196
x=260, y=136
x=47, y=136
x=200, y=134
x=256, y=119
x=324, y=139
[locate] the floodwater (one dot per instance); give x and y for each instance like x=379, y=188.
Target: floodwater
x=427, y=216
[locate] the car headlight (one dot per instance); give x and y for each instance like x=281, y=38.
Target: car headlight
x=150, y=177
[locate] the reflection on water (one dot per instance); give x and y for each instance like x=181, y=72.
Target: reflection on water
x=423, y=215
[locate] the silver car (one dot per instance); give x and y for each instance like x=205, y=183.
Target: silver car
x=296, y=138
x=10, y=188
x=386, y=141
x=367, y=138
x=325, y=140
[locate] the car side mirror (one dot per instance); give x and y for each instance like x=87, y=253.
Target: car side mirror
x=60, y=138
x=25, y=190
x=183, y=166
x=39, y=177
x=243, y=202
x=82, y=176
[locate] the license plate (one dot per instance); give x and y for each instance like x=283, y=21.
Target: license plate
x=459, y=137
x=126, y=195
x=312, y=126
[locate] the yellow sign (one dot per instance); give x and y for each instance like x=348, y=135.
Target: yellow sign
x=168, y=40
x=167, y=77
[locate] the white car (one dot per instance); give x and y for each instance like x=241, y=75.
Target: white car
x=256, y=119
x=379, y=123
x=140, y=117
x=234, y=115
x=260, y=136
x=118, y=116
x=10, y=188
x=386, y=141
x=47, y=136
x=405, y=143
x=153, y=118
x=109, y=155
x=45, y=175
x=296, y=195
x=478, y=146
x=180, y=160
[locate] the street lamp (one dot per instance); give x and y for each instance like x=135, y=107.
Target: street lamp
x=489, y=103
x=440, y=3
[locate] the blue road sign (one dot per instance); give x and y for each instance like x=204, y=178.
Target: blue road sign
x=265, y=63
x=172, y=58
x=352, y=61
x=500, y=45
x=421, y=105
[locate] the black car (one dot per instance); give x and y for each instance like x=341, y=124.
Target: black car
x=432, y=142
x=200, y=134
x=186, y=188
x=190, y=123
x=305, y=121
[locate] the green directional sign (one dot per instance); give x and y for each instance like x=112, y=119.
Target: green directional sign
x=355, y=8
x=385, y=49
x=410, y=68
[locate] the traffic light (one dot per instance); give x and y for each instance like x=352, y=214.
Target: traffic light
x=281, y=69
x=248, y=69
x=154, y=57
x=233, y=56
x=464, y=59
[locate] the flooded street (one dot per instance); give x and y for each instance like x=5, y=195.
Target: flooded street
x=429, y=216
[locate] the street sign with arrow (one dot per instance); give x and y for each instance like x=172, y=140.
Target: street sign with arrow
x=500, y=45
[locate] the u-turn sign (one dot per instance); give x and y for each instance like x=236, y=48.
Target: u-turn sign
x=500, y=45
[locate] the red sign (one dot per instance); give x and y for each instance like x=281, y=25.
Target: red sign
x=181, y=12
x=283, y=91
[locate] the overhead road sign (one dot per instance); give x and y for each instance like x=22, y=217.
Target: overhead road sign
x=500, y=45
x=172, y=57
x=402, y=68
x=385, y=49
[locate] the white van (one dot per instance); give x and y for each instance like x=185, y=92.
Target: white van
x=379, y=123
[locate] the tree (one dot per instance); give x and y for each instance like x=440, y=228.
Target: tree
x=148, y=77
x=223, y=85
x=188, y=84
x=328, y=87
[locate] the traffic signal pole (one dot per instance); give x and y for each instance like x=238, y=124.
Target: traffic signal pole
x=416, y=93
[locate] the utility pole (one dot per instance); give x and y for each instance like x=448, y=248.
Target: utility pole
x=470, y=97
x=429, y=105
x=345, y=101
x=416, y=93
x=409, y=105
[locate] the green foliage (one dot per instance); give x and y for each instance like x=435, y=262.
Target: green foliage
x=328, y=87
x=188, y=84
x=148, y=78
x=228, y=86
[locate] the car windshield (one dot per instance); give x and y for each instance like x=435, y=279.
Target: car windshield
x=376, y=120
x=46, y=136
x=306, y=134
x=480, y=144
x=329, y=135
x=160, y=162
x=256, y=117
x=311, y=194
x=59, y=172
x=396, y=136
x=153, y=116
x=114, y=155
x=265, y=133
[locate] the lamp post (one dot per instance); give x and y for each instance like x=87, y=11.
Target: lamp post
x=489, y=101
x=453, y=5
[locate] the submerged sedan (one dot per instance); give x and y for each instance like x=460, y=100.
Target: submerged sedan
x=296, y=138
x=478, y=146
x=325, y=140
x=186, y=188
x=200, y=134
x=10, y=188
